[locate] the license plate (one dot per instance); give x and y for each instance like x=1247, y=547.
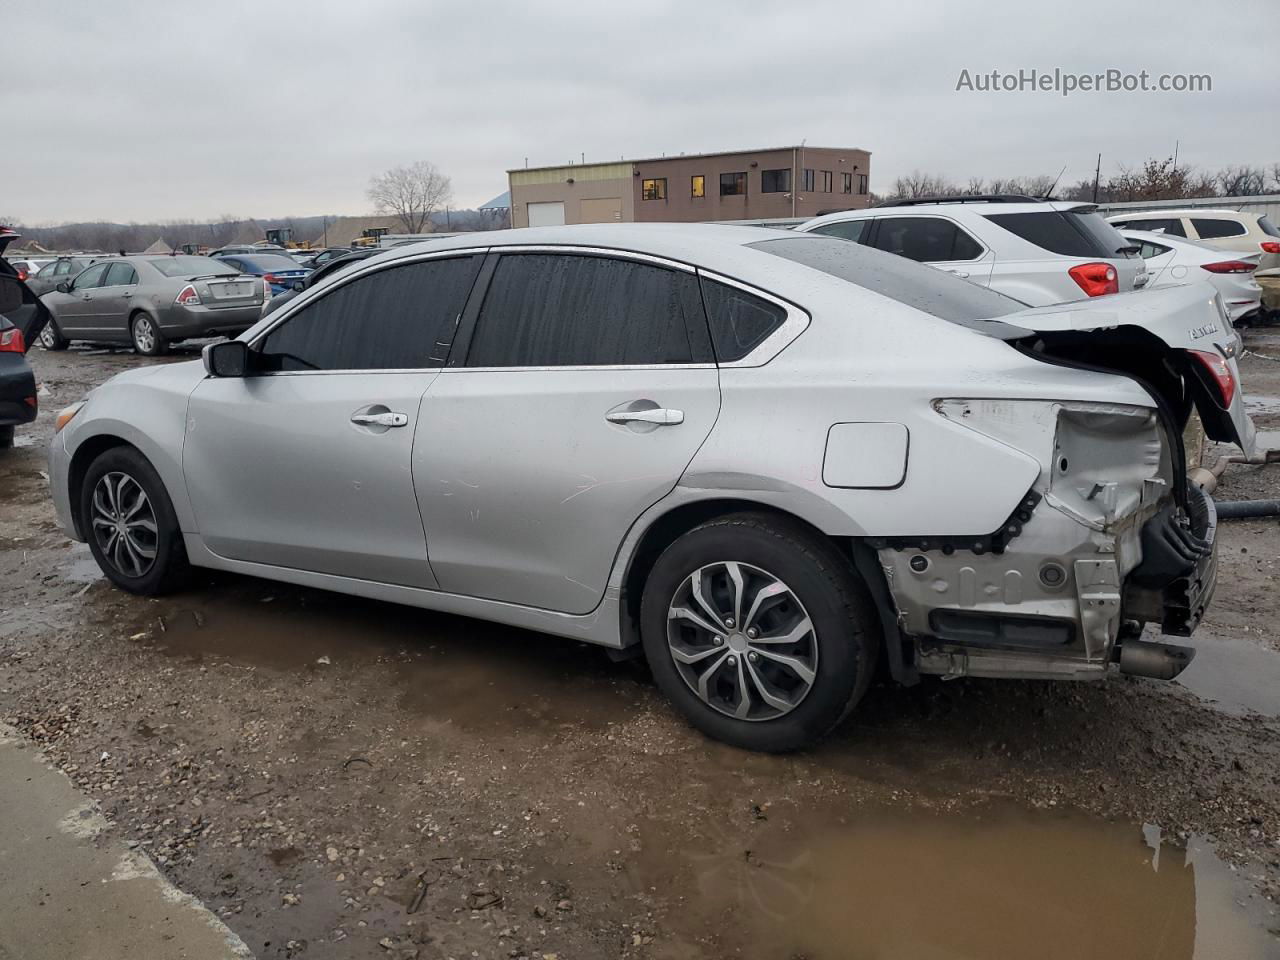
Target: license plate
x=224, y=290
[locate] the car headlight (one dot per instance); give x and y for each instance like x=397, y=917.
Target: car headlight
x=66, y=415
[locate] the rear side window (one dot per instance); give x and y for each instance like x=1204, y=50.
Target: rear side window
x=1170, y=225
x=924, y=288
x=401, y=318
x=925, y=239
x=563, y=310
x=1211, y=228
x=121, y=274
x=844, y=229
x=739, y=321
x=1066, y=233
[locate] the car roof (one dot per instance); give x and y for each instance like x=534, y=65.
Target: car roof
x=950, y=208
x=1184, y=212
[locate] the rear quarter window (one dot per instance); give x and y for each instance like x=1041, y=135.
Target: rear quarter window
x=1066, y=233
x=1211, y=228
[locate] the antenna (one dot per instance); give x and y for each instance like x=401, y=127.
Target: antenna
x=1049, y=193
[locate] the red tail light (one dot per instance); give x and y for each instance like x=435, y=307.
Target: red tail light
x=270, y=278
x=1095, y=279
x=1270, y=246
x=188, y=297
x=1220, y=371
x=11, y=341
x=1229, y=266
x=23, y=274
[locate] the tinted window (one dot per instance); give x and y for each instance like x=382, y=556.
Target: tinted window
x=733, y=184
x=399, y=318
x=120, y=274
x=1067, y=233
x=844, y=229
x=186, y=266
x=924, y=288
x=739, y=321
x=267, y=263
x=1212, y=228
x=775, y=181
x=91, y=277
x=1148, y=250
x=1169, y=225
x=925, y=239
x=549, y=310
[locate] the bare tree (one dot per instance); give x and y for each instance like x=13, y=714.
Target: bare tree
x=1241, y=181
x=410, y=194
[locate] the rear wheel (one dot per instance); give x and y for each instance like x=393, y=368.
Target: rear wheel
x=51, y=338
x=6, y=437
x=147, y=338
x=130, y=523
x=759, y=631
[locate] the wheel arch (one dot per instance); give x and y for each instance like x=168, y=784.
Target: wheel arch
x=84, y=455
x=664, y=529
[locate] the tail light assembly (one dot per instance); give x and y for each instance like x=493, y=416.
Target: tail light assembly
x=270, y=278
x=188, y=297
x=1095, y=279
x=1219, y=371
x=11, y=341
x=23, y=274
x=1270, y=246
x=1230, y=266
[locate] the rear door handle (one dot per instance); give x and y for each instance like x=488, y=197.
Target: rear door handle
x=380, y=419
x=661, y=416
x=959, y=273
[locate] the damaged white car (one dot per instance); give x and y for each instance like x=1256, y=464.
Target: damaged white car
x=765, y=459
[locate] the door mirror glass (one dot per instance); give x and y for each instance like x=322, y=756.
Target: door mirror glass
x=227, y=359
x=64, y=287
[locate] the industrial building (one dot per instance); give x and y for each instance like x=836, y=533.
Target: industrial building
x=779, y=182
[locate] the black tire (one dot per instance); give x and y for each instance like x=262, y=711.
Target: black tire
x=169, y=568
x=154, y=345
x=6, y=437
x=827, y=588
x=51, y=337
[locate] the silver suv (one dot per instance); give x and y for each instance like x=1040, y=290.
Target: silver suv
x=767, y=459
x=1036, y=251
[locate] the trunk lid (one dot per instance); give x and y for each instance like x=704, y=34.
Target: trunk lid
x=229, y=291
x=1177, y=340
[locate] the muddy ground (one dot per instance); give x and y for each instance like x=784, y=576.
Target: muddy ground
x=341, y=778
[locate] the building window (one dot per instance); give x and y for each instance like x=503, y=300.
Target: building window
x=826, y=181
x=698, y=186
x=775, y=181
x=733, y=184
x=862, y=183
x=654, y=189
x=806, y=179
x=846, y=183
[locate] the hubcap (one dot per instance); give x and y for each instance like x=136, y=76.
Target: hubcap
x=143, y=335
x=124, y=524
x=742, y=641
x=46, y=336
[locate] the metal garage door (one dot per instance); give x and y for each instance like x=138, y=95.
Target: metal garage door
x=546, y=214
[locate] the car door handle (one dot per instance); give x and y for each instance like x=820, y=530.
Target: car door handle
x=661, y=416
x=128, y=293
x=958, y=273
x=380, y=419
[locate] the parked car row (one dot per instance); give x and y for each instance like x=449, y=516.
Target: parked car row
x=737, y=473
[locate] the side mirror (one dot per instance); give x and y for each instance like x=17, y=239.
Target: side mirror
x=227, y=359
x=63, y=287
x=299, y=285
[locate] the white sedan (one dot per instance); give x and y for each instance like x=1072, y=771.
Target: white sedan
x=1174, y=260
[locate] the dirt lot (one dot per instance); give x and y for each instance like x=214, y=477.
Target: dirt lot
x=340, y=778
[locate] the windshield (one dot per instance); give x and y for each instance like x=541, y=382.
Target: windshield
x=191, y=267
x=925, y=288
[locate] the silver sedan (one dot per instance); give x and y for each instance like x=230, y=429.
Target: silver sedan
x=151, y=302
x=765, y=459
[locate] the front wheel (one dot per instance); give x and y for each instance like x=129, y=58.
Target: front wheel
x=759, y=631
x=129, y=521
x=147, y=338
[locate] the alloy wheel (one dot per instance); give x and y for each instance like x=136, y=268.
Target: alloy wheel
x=144, y=334
x=46, y=337
x=124, y=524
x=742, y=641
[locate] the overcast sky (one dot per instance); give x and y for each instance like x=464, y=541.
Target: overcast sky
x=159, y=110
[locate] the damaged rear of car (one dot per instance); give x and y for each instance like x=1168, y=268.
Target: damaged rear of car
x=1108, y=535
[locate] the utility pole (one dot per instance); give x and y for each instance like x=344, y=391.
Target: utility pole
x=1176, y=144
x=1097, y=172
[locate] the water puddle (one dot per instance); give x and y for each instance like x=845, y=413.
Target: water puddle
x=1268, y=440
x=1257, y=405
x=453, y=669
x=924, y=886
x=1239, y=675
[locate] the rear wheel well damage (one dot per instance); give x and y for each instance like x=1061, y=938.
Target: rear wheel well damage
x=85, y=454
x=672, y=525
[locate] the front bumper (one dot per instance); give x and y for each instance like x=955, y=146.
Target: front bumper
x=59, y=473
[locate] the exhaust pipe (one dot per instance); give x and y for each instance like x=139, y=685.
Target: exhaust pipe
x=1159, y=661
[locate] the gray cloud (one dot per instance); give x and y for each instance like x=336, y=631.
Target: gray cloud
x=143, y=110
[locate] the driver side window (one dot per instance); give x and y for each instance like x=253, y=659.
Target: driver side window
x=400, y=318
x=90, y=278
